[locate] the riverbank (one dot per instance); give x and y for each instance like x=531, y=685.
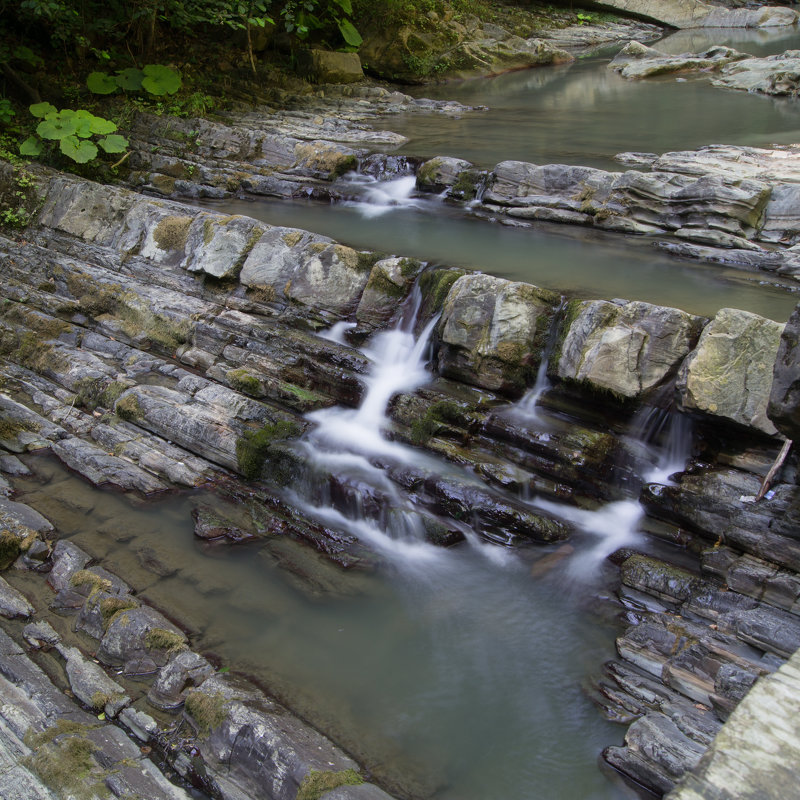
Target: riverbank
x=159, y=343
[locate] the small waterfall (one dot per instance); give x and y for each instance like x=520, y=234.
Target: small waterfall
x=527, y=405
x=345, y=441
x=667, y=436
x=374, y=197
x=336, y=333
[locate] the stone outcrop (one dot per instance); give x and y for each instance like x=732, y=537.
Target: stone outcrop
x=491, y=330
x=752, y=752
x=720, y=203
x=138, y=370
x=695, y=14
x=635, y=60
x=774, y=75
x=784, y=399
x=623, y=348
x=730, y=373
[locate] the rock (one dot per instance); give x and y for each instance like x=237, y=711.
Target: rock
x=758, y=748
x=440, y=173
x=696, y=14
x=209, y=524
x=781, y=224
x=11, y=465
x=784, y=399
x=40, y=635
x=219, y=246
x=364, y=791
x=635, y=60
x=67, y=559
x=141, y=725
x=624, y=348
x=100, y=467
x=22, y=520
x=729, y=374
x=390, y=282
x=307, y=269
x=12, y=603
x=325, y=66
x=491, y=331
x=91, y=685
x=657, y=578
x=774, y=75
x=657, y=753
x=126, y=640
x=175, y=679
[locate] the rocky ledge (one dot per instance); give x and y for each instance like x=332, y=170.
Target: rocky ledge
x=151, y=344
x=726, y=204
x=777, y=75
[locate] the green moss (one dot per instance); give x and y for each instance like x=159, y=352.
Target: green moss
x=443, y=411
x=343, y=166
x=62, y=758
x=111, y=393
x=435, y=284
x=34, y=353
x=11, y=428
x=466, y=185
x=93, y=299
x=208, y=231
x=292, y=238
x=161, y=330
x=162, y=639
x=111, y=606
x=252, y=448
x=172, y=233
x=367, y=259
x=128, y=408
x=99, y=700
x=569, y=314
x=316, y=783
x=9, y=548
x=85, y=577
x=243, y=381
x=207, y=710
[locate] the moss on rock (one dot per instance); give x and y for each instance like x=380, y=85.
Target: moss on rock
x=317, y=782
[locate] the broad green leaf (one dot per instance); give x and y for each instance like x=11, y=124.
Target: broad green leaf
x=114, y=143
x=160, y=80
x=31, y=147
x=26, y=54
x=77, y=150
x=101, y=83
x=41, y=110
x=56, y=126
x=83, y=127
x=102, y=126
x=130, y=79
x=344, y=5
x=349, y=33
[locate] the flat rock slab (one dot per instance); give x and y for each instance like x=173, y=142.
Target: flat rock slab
x=756, y=755
x=774, y=75
x=636, y=60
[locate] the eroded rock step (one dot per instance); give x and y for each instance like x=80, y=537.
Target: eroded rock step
x=144, y=305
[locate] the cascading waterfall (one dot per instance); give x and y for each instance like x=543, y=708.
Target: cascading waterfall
x=375, y=197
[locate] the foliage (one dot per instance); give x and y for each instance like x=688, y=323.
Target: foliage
x=73, y=131
x=156, y=79
x=20, y=199
x=7, y=112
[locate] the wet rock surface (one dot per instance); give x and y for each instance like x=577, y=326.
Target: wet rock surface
x=145, y=360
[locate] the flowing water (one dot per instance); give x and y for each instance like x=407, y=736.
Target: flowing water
x=451, y=674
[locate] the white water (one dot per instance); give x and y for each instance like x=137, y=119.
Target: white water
x=337, y=331
x=379, y=197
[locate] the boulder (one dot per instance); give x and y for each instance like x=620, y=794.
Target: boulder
x=729, y=374
x=776, y=75
x=326, y=66
x=389, y=283
x=491, y=331
x=623, y=348
x=440, y=173
x=784, y=399
x=636, y=60
x=697, y=14
x=218, y=246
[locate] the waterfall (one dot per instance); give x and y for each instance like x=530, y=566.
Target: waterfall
x=667, y=436
x=375, y=197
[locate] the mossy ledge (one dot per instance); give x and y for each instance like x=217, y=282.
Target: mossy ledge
x=317, y=783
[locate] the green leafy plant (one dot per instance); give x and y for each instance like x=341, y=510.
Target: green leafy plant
x=155, y=79
x=7, y=112
x=585, y=19
x=73, y=130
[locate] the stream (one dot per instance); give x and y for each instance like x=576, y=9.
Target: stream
x=449, y=674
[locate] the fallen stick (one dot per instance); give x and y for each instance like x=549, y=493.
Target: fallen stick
x=773, y=470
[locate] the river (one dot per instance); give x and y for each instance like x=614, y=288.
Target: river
x=450, y=674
